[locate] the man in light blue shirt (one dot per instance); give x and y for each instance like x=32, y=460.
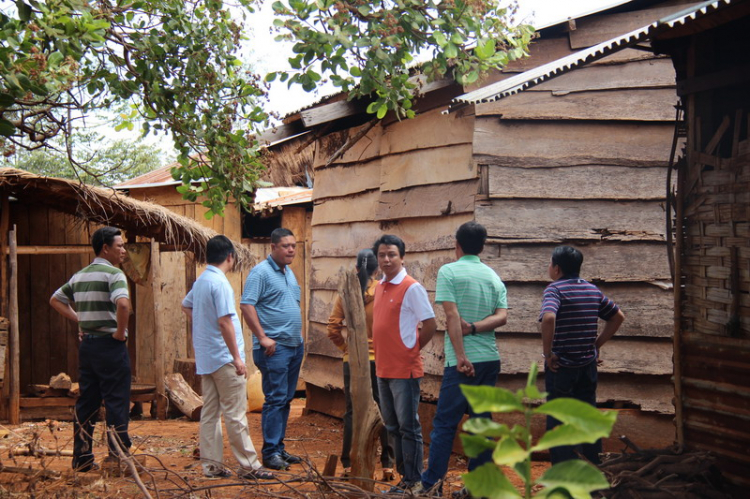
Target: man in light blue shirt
x=220, y=361
x=270, y=306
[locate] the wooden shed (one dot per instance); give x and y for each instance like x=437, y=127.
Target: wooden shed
x=582, y=160
x=51, y=221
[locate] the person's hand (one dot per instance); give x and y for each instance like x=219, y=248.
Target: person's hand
x=599, y=360
x=551, y=362
x=464, y=366
x=239, y=367
x=465, y=327
x=121, y=336
x=268, y=345
x=80, y=335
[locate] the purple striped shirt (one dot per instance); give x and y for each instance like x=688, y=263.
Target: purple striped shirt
x=577, y=305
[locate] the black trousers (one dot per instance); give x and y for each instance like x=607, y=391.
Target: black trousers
x=103, y=375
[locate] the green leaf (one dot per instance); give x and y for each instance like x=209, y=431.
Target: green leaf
x=6, y=100
x=451, y=51
x=440, y=38
x=564, y=435
x=6, y=128
x=382, y=110
x=491, y=399
x=508, y=452
x=578, y=477
x=55, y=58
x=24, y=11
x=488, y=481
x=355, y=71
x=580, y=415
x=486, y=427
x=475, y=445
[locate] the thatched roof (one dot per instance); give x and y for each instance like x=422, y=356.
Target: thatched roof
x=109, y=207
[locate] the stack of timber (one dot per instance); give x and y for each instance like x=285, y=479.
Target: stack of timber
x=581, y=160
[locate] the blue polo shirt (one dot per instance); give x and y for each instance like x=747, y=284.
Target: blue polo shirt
x=212, y=297
x=275, y=296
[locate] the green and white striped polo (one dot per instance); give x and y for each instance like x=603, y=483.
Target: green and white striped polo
x=95, y=291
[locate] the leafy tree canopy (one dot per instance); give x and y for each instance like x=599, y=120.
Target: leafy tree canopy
x=174, y=62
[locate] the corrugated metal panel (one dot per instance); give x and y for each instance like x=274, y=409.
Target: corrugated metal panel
x=537, y=75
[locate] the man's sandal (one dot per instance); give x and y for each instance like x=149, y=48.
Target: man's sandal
x=257, y=474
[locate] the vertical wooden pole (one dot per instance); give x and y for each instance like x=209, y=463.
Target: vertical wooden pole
x=4, y=225
x=161, y=406
x=14, y=402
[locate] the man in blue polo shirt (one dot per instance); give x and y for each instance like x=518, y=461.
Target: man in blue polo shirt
x=570, y=312
x=270, y=306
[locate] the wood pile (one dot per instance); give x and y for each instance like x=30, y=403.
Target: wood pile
x=660, y=473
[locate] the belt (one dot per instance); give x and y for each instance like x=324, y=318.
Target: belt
x=87, y=336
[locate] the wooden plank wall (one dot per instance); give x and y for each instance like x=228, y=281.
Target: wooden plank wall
x=415, y=179
x=580, y=160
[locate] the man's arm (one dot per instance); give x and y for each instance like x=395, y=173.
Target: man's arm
x=187, y=311
x=250, y=314
x=489, y=323
x=548, y=334
x=610, y=328
x=453, y=323
x=429, y=326
x=64, y=309
x=228, y=333
x=123, y=316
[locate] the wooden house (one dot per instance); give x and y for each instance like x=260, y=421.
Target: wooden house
x=581, y=160
x=52, y=221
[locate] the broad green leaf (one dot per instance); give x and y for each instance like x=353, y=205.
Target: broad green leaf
x=440, y=38
x=451, y=51
x=578, y=477
x=579, y=414
x=372, y=107
x=55, y=58
x=508, y=452
x=490, y=482
x=6, y=128
x=566, y=435
x=486, y=427
x=382, y=110
x=475, y=444
x=6, y=100
x=491, y=399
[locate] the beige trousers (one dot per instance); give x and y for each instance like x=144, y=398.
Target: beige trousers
x=225, y=393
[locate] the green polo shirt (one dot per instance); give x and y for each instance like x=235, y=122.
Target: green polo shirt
x=477, y=292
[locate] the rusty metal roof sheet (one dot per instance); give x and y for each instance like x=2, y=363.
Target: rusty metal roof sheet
x=547, y=71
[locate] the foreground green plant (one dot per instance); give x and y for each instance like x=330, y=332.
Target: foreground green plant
x=513, y=446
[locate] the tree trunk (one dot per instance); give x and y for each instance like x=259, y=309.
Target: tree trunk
x=182, y=396
x=366, y=421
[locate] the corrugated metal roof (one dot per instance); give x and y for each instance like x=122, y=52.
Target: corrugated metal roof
x=544, y=72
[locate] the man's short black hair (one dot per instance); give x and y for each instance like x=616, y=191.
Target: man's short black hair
x=471, y=236
x=279, y=234
x=218, y=248
x=105, y=235
x=568, y=259
x=390, y=240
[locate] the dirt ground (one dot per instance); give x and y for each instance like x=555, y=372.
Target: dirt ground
x=171, y=471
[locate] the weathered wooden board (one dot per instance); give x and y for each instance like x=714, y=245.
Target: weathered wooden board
x=355, y=208
x=331, y=112
x=144, y=338
x=647, y=308
x=541, y=143
x=344, y=180
x=318, y=343
x=644, y=104
x=592, y=30
x=366, y=148
x=654, y=73
x=429, y=166
x=626, y=262
x=578, y=182
x=322, y=371
x=428, y=201
x=431, y=234
x=429, y=130
x=173, y=290
x=559, y=220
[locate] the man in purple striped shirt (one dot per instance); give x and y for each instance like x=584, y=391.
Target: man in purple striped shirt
x=571, y=310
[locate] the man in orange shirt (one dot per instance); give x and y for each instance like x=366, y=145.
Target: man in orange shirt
x=400, y=305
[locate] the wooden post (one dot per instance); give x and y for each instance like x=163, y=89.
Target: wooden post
x=161, y=398
x=366, y=421
x=4, y=224
x=14, y=399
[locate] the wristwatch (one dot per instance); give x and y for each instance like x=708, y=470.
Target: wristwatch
x=473, y=329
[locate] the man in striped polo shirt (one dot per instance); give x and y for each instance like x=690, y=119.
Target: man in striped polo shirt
x=475, y=304
x=571, y=310
x=102, y=308
x=271, y=307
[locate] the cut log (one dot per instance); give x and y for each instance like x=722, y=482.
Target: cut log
x=366, y=421
x=186, y=367
x=47, y=391
x=181, y=395
x=75, y=390
x=60, y=382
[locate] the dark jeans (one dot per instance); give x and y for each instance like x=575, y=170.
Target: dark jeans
x=577, y=383
x=452, y=405
x=399, y=402
x=386, y=457
x=279, y=375
x=103, y=374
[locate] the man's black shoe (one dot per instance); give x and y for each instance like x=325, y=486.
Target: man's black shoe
x=289, y=458
x=275, y=462
x=84, y=467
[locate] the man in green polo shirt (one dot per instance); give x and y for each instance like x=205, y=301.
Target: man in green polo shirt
x=474, y=300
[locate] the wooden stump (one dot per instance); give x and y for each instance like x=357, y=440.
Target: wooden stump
x=182, y=396
x=186, y=367
x=366, y=421
x=60, y=382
